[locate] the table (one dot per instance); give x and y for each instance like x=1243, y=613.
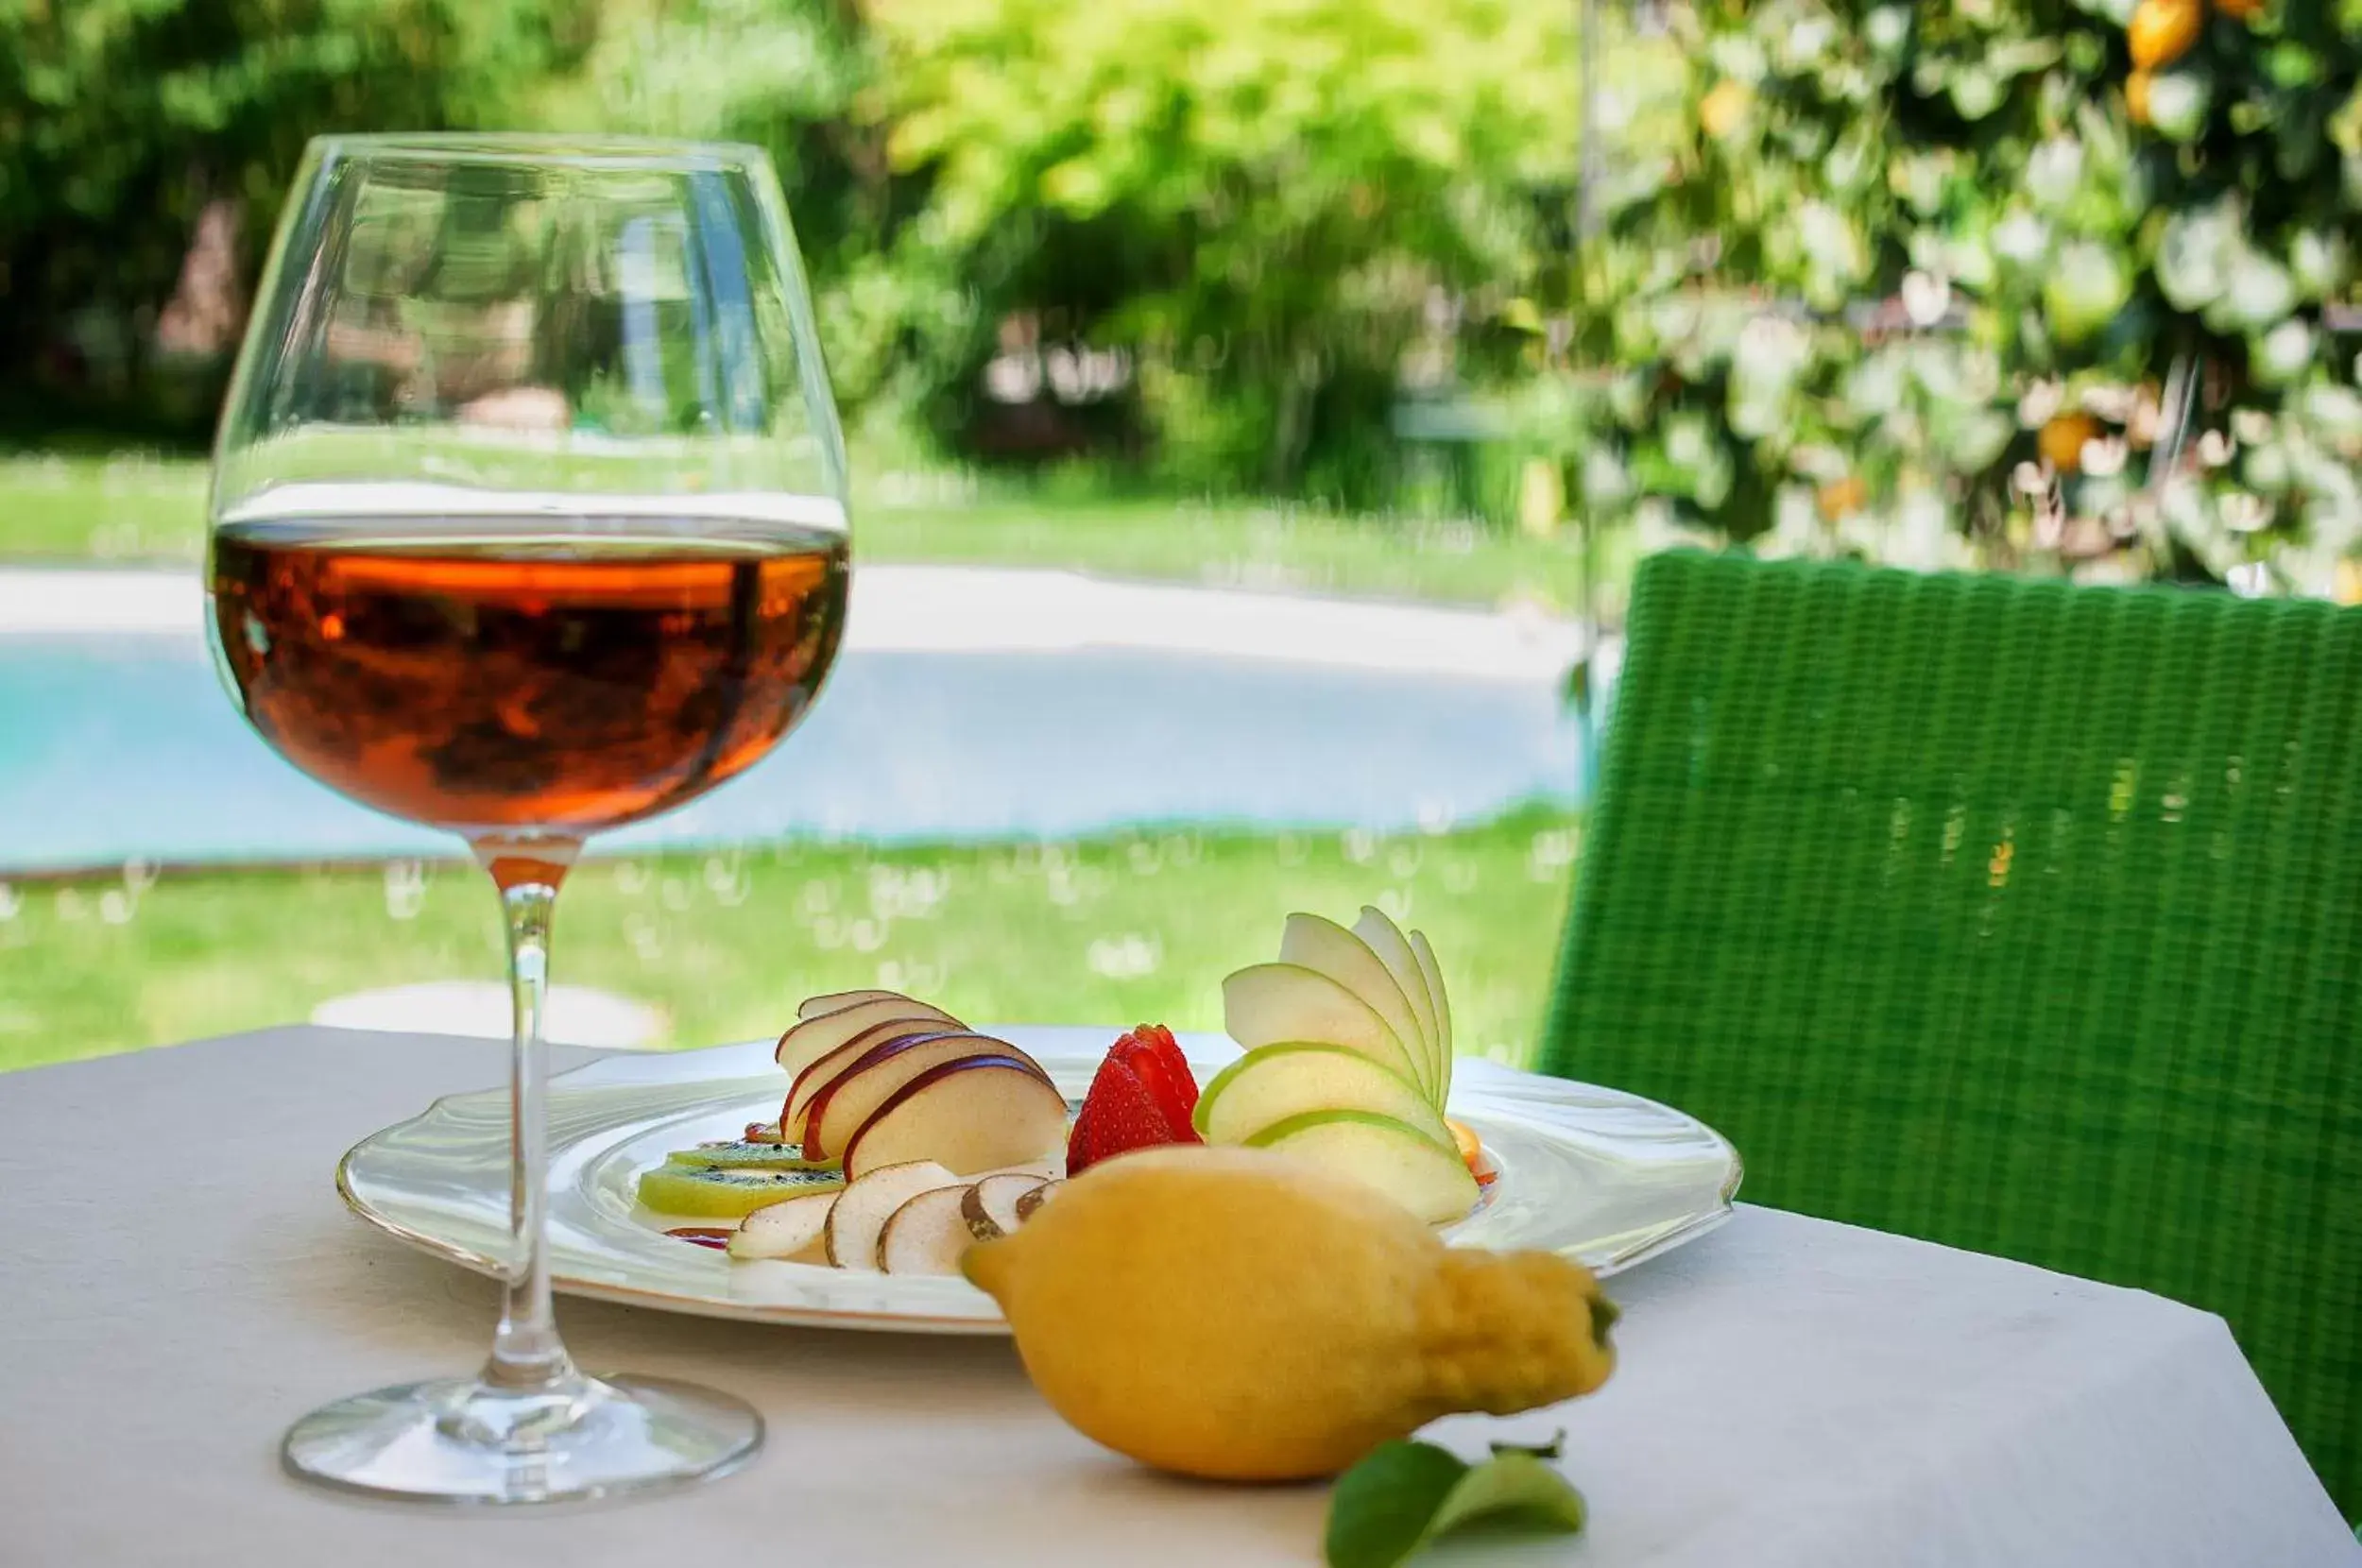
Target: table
x=180, y=1281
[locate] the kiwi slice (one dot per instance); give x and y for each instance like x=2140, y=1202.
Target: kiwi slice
x=742, y=1154
x=712, y=1194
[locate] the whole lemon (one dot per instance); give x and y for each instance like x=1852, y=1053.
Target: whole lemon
x=1241, y=1315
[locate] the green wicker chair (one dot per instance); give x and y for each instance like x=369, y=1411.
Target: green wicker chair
x=2017, y=916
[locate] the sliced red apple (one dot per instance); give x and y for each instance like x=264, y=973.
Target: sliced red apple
x=865, y=1207
x=848, y=1100
x=787, y=1229
x=820, y=1073
x=971, y=1114
x=990, y=1207
x=816, y=1037
x=927, y=1234
x=837, y=1001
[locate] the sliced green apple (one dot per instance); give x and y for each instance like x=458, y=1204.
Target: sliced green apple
x=1435, y=973
x=816, y=1037
x=1275, y=1083
x=1392, y=1156
x=1268, y=1004
x=972, y=1113
x=1377, y=928
x=1326, y=948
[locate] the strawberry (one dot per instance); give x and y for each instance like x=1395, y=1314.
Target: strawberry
x=1119, y=1114
x=1151, y=1052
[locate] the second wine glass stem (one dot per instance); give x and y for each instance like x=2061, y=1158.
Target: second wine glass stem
x=527, y=1354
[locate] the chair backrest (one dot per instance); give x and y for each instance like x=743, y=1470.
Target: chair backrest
x=2019, y=916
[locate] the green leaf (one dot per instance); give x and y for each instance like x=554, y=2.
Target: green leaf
x=1406, y=1495
x=1382, y=1507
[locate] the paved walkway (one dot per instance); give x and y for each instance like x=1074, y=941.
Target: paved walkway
x=973, y=609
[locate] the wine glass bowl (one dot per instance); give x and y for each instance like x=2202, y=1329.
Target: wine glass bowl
x=527, y=522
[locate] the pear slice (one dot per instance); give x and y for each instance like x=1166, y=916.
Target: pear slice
x=784, y=1230
x=1392, y=1156
x=990, y=1207
x=1275, y=1083
x=837, y=1001
x=1326, y=948
x=1435, y=973
x=865, y=1207
x=1268, y=1004
x=1377, y=928
x=1029, y=1203
x=927, y=1234
x=814, y=1038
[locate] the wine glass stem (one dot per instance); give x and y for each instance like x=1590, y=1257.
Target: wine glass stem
x=527, y=1355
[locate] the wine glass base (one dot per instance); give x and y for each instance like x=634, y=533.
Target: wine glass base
x=459, y=1441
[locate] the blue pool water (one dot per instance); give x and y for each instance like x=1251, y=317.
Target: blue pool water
x=131, y=749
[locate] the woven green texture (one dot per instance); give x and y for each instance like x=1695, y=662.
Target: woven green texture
x=2017, y=916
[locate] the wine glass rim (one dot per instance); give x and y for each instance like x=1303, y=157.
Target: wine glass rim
x=541, y=148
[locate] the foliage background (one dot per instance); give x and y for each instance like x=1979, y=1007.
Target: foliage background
x=2050, y=285
x=1962, y=283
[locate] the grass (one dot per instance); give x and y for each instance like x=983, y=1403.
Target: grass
x=1133, y=928
x=131, y=508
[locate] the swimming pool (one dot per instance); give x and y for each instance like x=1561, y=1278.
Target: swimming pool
x=126, y=748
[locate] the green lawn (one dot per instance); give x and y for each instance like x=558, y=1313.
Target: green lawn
x=133, y=508
x=1129, y=928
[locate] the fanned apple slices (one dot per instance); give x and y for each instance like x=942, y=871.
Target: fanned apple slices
x=904, y=1137
x=853, y=1055
x=1348, y=1061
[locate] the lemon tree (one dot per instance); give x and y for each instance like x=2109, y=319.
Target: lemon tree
x=2060, y=283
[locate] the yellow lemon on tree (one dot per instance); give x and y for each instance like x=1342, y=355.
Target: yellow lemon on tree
x=1842, y=498
x=1243, y=1315
x=2162, y=31
x=1722, y=108
x=2061, y=440
x=2136, y=88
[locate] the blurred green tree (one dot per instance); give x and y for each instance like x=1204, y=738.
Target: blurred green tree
x=1263, y=204
x=123, y=121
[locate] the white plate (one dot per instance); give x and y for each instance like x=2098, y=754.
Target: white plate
x=1601, y=1176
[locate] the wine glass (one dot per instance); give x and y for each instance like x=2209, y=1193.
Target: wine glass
x=527, y=523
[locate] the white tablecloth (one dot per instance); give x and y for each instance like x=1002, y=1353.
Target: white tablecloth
x=178, y=1281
